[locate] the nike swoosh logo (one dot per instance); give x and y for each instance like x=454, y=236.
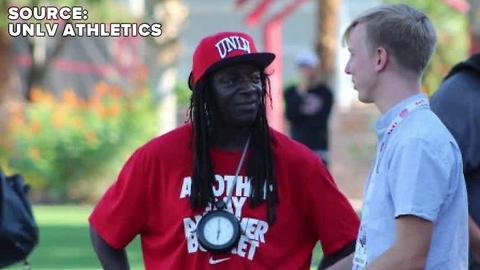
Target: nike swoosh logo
x=215, y=261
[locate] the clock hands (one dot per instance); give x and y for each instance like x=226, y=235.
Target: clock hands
x=218, y=229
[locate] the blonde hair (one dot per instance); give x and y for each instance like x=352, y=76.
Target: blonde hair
x=405, y=32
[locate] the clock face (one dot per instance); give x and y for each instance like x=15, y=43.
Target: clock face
x=218, y=231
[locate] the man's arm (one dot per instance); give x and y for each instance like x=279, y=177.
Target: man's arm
x=109, y=257
x=474, y=233
x=410, y=249
x=344, y=264
x=337, y=257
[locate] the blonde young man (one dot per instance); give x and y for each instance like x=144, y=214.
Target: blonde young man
x=415, y=208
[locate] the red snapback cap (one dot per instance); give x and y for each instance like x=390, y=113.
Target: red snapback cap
x=224, y=49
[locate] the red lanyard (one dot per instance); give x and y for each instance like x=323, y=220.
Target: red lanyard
x=423, y=102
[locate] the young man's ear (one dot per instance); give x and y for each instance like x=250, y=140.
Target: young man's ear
x=381, y=56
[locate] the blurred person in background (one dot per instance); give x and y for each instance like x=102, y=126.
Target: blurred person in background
x=308, y=106
x=224, y=191
x=457, y=104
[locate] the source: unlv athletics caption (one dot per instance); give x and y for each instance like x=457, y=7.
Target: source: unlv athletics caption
x=41, y=21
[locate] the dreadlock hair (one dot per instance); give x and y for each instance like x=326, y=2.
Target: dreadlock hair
x=260, y=167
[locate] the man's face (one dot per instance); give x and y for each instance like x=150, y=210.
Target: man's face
x=361, y=64
x=237, y=91
x=307, y=72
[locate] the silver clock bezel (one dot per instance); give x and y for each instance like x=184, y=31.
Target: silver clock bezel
x=215, y=247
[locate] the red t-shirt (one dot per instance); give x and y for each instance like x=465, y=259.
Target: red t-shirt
x=151, y=198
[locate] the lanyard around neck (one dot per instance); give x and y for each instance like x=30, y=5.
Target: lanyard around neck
x=420, y=103
x=221, y=204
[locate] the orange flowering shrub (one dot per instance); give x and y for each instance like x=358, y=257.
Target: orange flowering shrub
x=62, y=143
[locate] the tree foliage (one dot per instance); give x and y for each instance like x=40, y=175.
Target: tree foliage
x=64, y=145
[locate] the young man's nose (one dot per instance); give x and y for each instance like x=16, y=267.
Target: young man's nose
x=348, y=69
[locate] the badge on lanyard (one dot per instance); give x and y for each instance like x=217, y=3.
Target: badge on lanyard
x=360, y=257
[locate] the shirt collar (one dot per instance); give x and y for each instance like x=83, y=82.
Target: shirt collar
x=384, y=121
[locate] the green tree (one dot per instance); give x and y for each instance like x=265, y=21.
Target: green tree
x=10, y=94
x=474, y=23
x=166, y=51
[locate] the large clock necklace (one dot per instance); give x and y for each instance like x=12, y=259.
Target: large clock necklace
x=219, y=230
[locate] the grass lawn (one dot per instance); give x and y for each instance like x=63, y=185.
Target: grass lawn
x=65, y=242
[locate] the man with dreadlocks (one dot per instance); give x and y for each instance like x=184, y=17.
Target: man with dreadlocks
x=194, y=204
